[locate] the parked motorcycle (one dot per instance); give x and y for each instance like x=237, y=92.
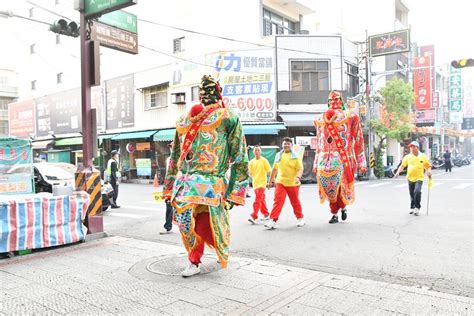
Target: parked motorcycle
x=389, y=172
x=458, y=161
x=438, y=163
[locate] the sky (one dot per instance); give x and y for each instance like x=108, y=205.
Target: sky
x=446, y=24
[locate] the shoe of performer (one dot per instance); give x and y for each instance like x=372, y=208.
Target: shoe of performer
x=252, y=220
x=344, y=214
x=411, y=211
x=417, y=212
x=334, y=220
x=191, y=270
x=265, y=219
x=115, y=206
x=300, y=222
x=271, y=224
x=164, y=231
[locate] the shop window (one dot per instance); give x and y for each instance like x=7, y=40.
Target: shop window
x=156, y=97
x=309, y=75
x=274, y=24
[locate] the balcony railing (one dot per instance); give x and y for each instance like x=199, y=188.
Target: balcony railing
x=8, y=91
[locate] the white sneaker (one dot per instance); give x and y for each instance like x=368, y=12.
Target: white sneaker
x=417, y=212
x=300, y=222
x=271, y=224
x=191, y=270
x=252, y=220
x=265, y=219
x=164, y=231
x=412, y=210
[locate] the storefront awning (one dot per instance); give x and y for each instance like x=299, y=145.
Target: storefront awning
x=68, y=141
x=165, y=135
x=134, y=135
x=263, y=129
x=105, y=136
x=299, y=119
x=41, y=144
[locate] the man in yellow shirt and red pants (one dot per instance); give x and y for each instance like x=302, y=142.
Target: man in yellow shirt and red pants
x=416, y=162
x=289, y=168
x=259, y=168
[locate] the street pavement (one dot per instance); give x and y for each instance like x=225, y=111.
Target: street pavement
x=380, y=261
x=124, y=276
x=379, y=241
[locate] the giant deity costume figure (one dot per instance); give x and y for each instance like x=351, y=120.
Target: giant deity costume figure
x=340, y=150
x=208, y=141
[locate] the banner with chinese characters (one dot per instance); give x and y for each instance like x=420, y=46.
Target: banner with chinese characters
x=16, y=166
x=422, y=83
x=247, y=80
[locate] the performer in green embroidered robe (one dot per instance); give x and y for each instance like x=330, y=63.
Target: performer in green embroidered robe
x=209, y=140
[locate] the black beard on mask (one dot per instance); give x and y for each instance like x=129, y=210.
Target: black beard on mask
x=209, y=91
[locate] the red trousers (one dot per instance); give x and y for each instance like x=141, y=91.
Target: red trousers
x=280, y=195
x=259, y=204
x=202, y=227
x=339, y=204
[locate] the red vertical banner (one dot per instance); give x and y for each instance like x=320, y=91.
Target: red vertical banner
x=422, y=83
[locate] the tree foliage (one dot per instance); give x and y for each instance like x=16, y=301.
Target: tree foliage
x=395, y=120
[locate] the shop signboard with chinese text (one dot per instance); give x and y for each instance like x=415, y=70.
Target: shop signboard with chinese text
x=21, y=117
x=119, y=102
x=247, y=80
x=426, y=116
x=59, y=113
x=389, y=43
x=143, y=146
x=455, y=92
x=16, y=166
x=422, y=83
x=429, y=51
x=143, y=167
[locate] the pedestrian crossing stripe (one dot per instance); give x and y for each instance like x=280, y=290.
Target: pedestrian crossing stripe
x=378, y=184
x=401, y=185
x=462, y=186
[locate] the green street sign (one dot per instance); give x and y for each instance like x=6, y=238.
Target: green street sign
x=120, y=19
x=94, y=8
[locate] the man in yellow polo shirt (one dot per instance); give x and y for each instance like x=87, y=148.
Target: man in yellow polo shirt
x=259, y=169
x=289, y=168
x=417, y=162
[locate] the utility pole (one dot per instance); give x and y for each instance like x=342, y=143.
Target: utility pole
x=86, y=91
x=368, y=91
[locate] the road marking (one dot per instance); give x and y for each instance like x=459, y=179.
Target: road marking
x=400, y=185
x=436, y=184
x=378, y=184
x=133, y=207
x=462, y=186
x=126, y=215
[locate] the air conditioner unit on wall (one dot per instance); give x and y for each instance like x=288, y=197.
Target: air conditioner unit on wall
x=179, y=98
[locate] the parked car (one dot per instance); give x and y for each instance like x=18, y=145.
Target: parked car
x=47, y=174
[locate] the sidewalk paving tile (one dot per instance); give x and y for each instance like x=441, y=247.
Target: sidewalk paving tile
x=110, y=276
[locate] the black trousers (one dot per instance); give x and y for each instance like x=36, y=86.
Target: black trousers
x=115, y=185
x=169, y=217
x=448, y=165
x=415, y=194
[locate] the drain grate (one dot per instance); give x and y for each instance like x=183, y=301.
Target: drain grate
x=173, y=266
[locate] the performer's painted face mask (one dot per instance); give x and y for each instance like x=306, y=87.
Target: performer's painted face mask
x=335, y=101
x=210, y=91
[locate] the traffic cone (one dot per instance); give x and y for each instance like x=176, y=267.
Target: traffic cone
x=156, y=183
